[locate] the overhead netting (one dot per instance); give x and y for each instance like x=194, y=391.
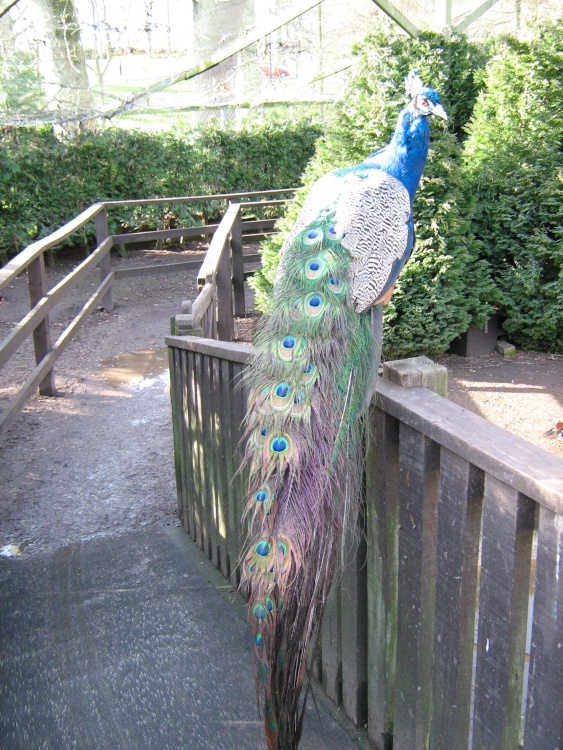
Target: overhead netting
x=65, y=61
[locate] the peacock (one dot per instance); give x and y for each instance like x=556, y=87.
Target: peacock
x=310, y=379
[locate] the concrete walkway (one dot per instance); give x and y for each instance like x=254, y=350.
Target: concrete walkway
x=123, y=643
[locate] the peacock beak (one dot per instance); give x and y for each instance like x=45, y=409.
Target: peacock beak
x=439, y=111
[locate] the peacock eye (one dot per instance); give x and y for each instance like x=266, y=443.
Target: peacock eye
x=424, y=101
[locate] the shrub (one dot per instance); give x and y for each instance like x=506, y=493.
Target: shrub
x=44, y=181
x=445, y=287
x=513, y=165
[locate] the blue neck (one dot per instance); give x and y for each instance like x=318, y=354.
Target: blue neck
x=405, y=155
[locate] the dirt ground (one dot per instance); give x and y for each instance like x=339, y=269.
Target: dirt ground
x=98, y=459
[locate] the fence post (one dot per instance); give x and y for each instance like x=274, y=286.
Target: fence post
x=102, y=231
x=225, y=320
x=238, y=265
x=37, y=283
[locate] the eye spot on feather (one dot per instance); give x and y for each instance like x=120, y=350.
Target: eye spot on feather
x=309, y=374
x=269, y=604
x=299, y=406
x=282, y=548
x=282, y=396
x=314, y=305
x=333, y=234
x=335, y=285
x=258, y=639
x=312, y=237
x=291, y=348
x=295, y=309
x=315, y=268
x=326, y=213
x=280, y=445
x=259, y=611
x=262, y=548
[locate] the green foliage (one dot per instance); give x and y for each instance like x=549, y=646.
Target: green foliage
x=21, y=88
x=445, y=287
x=514, y=168
x=44, y=181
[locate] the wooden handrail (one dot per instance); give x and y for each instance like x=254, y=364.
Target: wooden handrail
x=222, y=296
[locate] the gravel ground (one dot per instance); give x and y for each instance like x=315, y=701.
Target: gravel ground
x=98, y=459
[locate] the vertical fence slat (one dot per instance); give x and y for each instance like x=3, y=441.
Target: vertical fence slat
x=228, y=504
x=199, y=467
x=331, y=645
x=190, y=423
x=214, y=459
x=354, y=627
x=206, y=445
x=180, y=448
x=382, y=505
x=238, y=409
x=508, y=522
x=459, y=522
x=544, y=715
x=418, y=493
x=221, y=435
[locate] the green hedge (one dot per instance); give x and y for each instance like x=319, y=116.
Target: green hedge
x=45, y=181
x=446, y=286
x=514, y=168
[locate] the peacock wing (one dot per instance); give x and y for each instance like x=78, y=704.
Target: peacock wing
x=374, y=217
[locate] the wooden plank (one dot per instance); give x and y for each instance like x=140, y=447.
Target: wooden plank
x=331, y=645
x=232, y=521
x=193, y=446
x=224, y=296
x=202, y=303
x=459, y=524
x=237, y=267
x=354, y=624
x=164, y=234
x=519, y=464
x=102, y=232
x=382, y=503
x=544, y=713
x=235, y=197
x=181, y=396
x=174, y=367
x=418, y=496
x=472, y=17
x=199, y=470
x=238, y=412
x=396, y=15
x=217, y=244
x=508, y=524
x=47, y=363
x=224, y=350
x=21, y=261
x=202, y=375
x=224, y=476
x=37, y=282
x=213, y=458
x=44, y=303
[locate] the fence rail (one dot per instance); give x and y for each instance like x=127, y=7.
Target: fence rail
x=43, y=300
x=446, y=628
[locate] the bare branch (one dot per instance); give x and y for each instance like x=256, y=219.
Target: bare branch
x=8, y=8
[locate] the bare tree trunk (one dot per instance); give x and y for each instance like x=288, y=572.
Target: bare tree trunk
x=69, y=64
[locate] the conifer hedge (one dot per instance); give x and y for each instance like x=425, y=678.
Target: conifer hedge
x=446, y=286
x=513, y=165
x=45, y=181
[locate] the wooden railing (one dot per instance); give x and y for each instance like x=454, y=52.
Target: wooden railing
x=446, y=628
x=43, y=300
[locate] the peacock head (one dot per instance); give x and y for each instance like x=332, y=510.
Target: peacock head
x=424, y=99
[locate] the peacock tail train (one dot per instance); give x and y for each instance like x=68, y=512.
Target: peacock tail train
x=311, y=376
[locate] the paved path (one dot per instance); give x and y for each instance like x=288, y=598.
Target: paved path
x=122, y=643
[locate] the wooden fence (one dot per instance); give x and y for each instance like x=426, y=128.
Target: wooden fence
x=446, y=629
x=43, y=300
